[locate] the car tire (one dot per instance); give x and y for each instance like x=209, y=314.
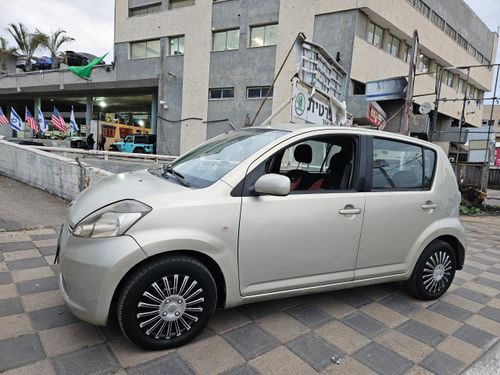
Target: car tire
x=166, y=303
x=113, y=148
x=434, y=271
x=139, y=150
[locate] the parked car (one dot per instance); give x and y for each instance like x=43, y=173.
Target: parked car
x=78, y=141
x=25, y=64
x=257, y=214
x=44, y=62
x=79, y=58
x=138, y=144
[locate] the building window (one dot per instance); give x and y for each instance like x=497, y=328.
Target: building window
x=479, y=57
x=451, y=31
x=261, y=36
x=259, y=92
x=423, y=8
x=471, y=50
x=423, y=63
x=407, y=56
x=145, y=49
x=462, y=86
x=173, y=4
x=447, y=78
x=221, y=93
x=462, y=41
x=438, y=20
x=176, y=45
x=141, y=11
x=226, y=40
x=374, y=35
x=393, y=45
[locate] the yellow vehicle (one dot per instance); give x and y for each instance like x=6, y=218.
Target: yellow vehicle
x=115, y=132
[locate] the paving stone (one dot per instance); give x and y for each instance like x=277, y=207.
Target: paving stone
x=451, y=311
x=129, y=355
x=422, y=332
x=460, y=350
x=21, y=254
x=349, y=366
x=250, y=341
x=15, y=325
x=42, y=300
x=43, y=367
x=309, y=315
x=494, y=270
x=243, y=370
x=68, y=338
x=16, y=246
x=282, y=326
x=364, y=324
x=462, y=302
x=171, y=364
x=5, y=278
x=404, y=345
x=352, y=297
x=45, y=243
x=458, y=281
x=492, y=254
x=32, y=273
x=281, y=361
x=22, y=264
x=211, y=356
x=442, y=364
x=8, y=291
x=485, y=324
x=226, y=320
x=48, y=236
x=342, y=336
x=490, y=313
x=332, y=307
x=400, y=304
x=492, y=292
x=475, y=336
x=437, y=321
x=256, y=310
x=482, y=261
x=51, y=317
x=472, y=295
x=10, y=306
x=15, y=352
x=382, y=360
x=48, y=250
x=96, y=359
x=472, y=270
x=487, y=282
x=314, y=350
x=384, y=314
x=38, y=285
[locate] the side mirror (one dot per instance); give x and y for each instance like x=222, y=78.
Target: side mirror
x=273, y=184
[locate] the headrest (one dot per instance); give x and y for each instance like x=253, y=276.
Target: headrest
x=303, y=154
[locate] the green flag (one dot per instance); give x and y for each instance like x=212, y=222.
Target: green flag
x=85, y=71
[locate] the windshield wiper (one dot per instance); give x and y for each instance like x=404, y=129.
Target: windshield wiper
x=179, y=177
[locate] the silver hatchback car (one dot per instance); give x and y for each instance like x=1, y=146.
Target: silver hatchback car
x=257, y=214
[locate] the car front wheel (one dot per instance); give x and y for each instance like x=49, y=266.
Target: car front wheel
x=167, y=303
x=434, y=271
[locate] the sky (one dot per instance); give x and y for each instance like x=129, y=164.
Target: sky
x=90, y=22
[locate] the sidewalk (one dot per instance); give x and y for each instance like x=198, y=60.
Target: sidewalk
x=378, y=329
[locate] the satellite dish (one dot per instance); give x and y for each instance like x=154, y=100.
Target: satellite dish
x=425, y=108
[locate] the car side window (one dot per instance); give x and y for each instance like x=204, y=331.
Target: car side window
x=401, y=166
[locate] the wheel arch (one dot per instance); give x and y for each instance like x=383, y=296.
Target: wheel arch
x=206, y=260
x=456, y=245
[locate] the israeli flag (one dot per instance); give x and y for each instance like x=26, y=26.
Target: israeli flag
x=72, y=123
x=15, y=121
x=41, y=121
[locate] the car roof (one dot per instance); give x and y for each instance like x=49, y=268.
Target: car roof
x=306, y=128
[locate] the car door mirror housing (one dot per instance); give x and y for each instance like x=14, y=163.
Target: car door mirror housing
x=273, y=184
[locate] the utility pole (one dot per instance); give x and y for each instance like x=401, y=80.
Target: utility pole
x=487, y=157
x=439, y=82
x=408, y=107
x=462, y=120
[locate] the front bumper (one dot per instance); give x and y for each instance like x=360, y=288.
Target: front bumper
x=91, y=269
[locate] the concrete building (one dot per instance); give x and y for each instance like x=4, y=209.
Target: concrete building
x=207, y=64
x=495, y=127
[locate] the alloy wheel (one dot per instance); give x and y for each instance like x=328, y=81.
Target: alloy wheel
x=437, y=272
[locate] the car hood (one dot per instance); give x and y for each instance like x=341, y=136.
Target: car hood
x=129, y=185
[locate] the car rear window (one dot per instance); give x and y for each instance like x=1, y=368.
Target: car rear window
x=401, y=166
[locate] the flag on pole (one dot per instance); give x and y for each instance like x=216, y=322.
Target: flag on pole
x=41, y=121
x=85, y=71
x=15, y=121
x=30, y=120
x=72, y=123
x=3, y=119
x=58, y=121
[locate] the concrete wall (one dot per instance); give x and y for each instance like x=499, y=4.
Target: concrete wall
x=127, y=69
x=56, y=174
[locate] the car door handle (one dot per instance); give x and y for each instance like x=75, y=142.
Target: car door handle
x=350, y=211
x=429, y=206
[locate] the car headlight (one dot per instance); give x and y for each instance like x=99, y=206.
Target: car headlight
x=111, y=221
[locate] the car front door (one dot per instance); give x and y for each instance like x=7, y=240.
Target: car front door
x=310, y=237
x=402, y=206
x=128, y=144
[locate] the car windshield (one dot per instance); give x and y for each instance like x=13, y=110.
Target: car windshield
x=207, y=163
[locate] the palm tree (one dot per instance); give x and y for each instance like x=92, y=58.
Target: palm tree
x=53, y=42
x=27, y=42
x=5, y=51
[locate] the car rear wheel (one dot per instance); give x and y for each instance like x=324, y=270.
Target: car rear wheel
x=167, y=303
x=434, y=271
